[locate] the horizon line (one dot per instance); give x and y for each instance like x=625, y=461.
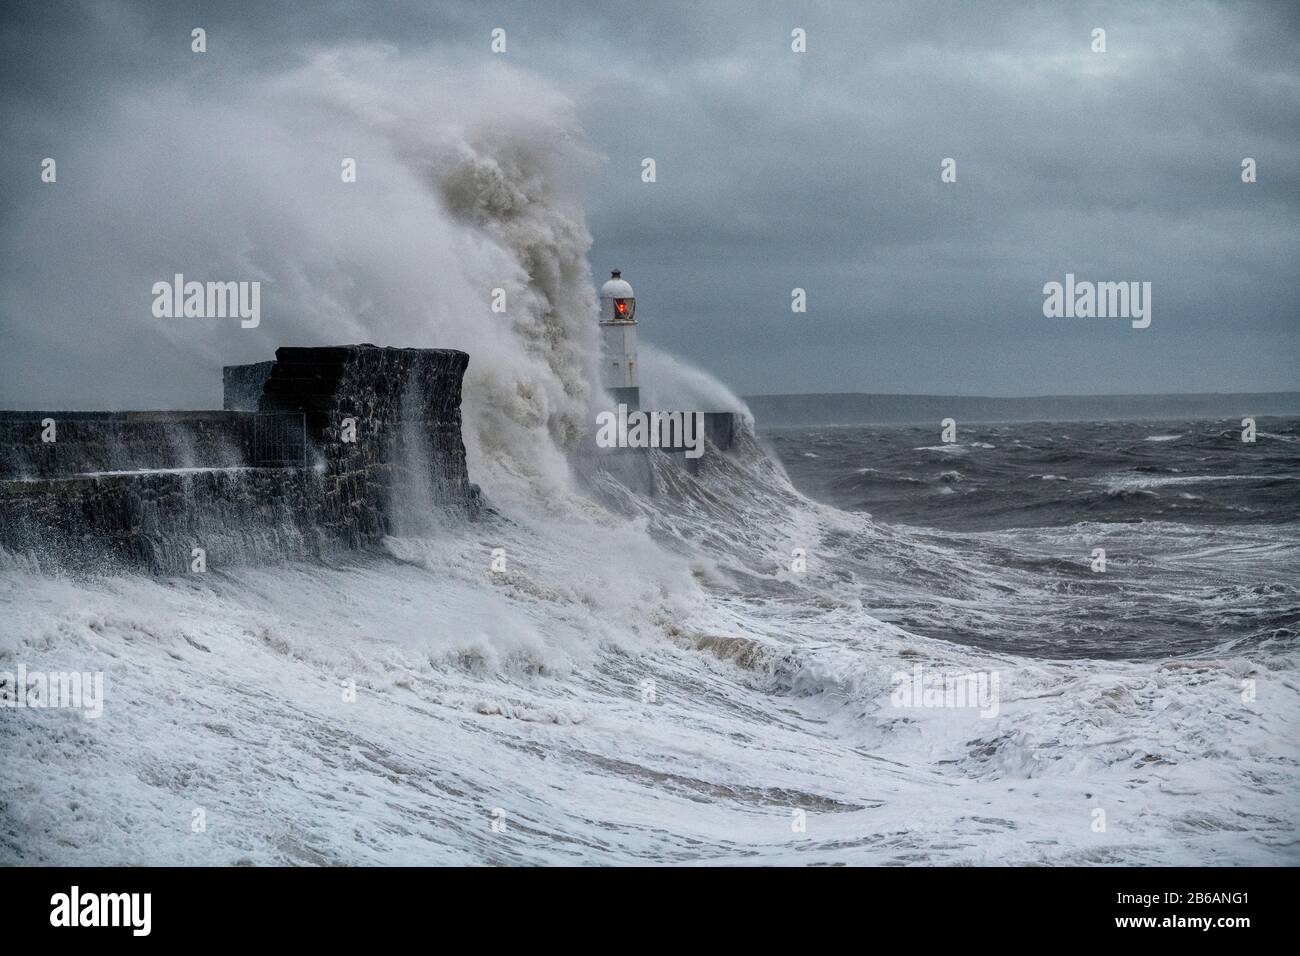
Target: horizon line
x=1013, y=398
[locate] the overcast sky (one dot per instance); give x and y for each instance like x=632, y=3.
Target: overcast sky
x=818, y=170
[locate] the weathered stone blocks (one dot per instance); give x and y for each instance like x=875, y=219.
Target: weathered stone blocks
x=342, y=437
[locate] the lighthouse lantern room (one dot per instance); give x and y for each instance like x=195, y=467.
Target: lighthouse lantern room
x=618, y=340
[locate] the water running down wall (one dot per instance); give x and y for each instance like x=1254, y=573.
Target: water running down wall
x=343, y=437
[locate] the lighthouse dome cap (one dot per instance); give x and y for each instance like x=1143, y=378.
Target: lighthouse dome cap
x=616, y=287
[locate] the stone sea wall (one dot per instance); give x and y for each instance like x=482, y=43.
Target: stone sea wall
x=54, y=444
x=347, y=443
x=241, y=385
x=386, y=426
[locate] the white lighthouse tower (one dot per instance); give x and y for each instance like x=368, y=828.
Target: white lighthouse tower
x=618, y=340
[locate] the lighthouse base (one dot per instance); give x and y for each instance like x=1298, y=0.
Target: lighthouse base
x=631, y=397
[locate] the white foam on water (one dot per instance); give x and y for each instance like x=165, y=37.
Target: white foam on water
x=527, y=690
x=1134, y=482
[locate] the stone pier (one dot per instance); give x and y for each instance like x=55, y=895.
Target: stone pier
x=316, y=451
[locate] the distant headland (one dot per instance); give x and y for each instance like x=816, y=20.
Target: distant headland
x=858, y=408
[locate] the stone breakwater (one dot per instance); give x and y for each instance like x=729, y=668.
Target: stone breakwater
x=324, y=449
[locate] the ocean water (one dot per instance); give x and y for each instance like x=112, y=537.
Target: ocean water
x=1201, y=531
x=1043, y=474
x=711, y=675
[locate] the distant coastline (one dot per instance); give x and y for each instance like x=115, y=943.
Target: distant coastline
x=859, y=408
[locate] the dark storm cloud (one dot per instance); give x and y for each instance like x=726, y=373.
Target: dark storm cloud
x=821, y=170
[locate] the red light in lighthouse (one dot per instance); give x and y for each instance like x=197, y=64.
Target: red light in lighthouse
x=620, y=306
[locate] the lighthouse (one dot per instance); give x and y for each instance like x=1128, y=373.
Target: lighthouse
x=618, y=340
